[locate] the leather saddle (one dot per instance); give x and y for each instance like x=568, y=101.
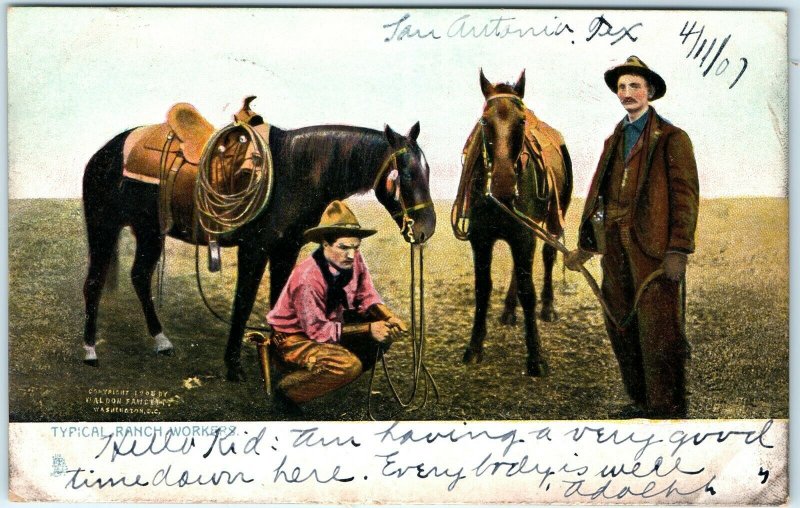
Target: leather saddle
x=191, y=128
x=168, y=155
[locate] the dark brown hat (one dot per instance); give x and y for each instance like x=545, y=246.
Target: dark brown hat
x=633, y=65
x=339, y=220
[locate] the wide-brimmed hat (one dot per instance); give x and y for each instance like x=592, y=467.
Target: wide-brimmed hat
x=633, y=65
x=339, y=220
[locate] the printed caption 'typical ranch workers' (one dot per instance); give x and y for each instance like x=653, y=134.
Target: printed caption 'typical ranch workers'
x=329, y=320
x=640, y=215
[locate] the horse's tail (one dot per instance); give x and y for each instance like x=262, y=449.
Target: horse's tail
x=101, y=196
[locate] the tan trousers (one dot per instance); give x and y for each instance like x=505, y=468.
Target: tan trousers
x=318, y=368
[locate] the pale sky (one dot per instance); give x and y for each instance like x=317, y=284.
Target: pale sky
x=79, y=76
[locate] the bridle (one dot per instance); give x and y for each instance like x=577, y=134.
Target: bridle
x=408, y=222
x=488, y=162
x=417, y=319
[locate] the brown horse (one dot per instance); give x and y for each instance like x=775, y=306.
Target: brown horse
x=312, y=167
x=522, y=162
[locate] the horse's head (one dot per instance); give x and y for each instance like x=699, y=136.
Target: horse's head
x=503, y=134
x=402, y=186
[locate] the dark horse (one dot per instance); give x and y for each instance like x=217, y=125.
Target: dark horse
x=532, y=176
x=312, y=167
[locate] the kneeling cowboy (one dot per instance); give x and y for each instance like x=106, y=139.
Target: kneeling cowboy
x=329, y=320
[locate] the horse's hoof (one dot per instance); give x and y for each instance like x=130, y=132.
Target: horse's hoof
x=235, y=375
x=538, y=368
x=89, y=355
x=548, y=314
x=163, y=344
x=508, y=318
x=472, y=356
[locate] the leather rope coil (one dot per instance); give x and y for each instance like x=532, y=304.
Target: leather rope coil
x=221, y=208
x=217, y=212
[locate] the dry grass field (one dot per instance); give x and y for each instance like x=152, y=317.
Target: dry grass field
x=737, y=324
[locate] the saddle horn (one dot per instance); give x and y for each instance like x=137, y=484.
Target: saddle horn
x=247, y=115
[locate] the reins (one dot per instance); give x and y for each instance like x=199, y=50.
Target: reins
x=417, y=318
x=418, y=339
x=551, y=240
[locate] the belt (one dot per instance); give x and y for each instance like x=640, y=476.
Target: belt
x=278, y=337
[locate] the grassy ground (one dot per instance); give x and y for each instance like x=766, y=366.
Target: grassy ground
x=737, y=323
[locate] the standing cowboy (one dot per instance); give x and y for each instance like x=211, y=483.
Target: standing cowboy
x=641, y=214
x=329, y=320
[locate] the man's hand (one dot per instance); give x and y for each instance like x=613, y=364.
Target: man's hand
x=675, y=265
x=383, y=331
x=576, y=258
x=396, y=322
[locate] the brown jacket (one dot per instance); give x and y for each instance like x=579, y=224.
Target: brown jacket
x=663, y=216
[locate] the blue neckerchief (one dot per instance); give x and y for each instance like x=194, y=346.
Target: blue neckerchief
x=632, y=131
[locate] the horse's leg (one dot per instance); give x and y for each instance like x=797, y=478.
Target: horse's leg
x=252, y=260
x=149, y=244
x=482, y=259
x=112, y=278
x=509, y=316
x=102, y=249
x=522, y=250
x=549, y=257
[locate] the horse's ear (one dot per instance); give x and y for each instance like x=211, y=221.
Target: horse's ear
x=486, y=87
x=519, y=88
x=413, y=133
x=394, y=139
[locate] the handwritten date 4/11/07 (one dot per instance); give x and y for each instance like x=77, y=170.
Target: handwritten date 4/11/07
x=705, y=47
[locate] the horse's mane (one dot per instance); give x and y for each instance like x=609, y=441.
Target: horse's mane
x=346, y=156
x=505, y=88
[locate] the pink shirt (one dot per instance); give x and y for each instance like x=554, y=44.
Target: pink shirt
x=301, y=306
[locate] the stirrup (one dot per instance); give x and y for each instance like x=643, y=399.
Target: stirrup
x=214, y=256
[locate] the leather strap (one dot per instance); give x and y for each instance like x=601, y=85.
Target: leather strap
x=167, y=185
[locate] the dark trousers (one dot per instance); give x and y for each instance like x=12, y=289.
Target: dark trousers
x=652, y=349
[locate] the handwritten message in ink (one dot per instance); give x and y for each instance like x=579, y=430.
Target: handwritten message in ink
x=467, y=26
x=710, y=51
x=409, y=462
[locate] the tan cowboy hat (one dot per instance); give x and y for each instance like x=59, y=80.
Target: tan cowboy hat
x=633, y=65
x=337, y=219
